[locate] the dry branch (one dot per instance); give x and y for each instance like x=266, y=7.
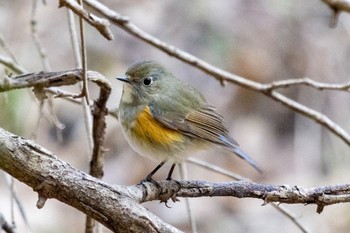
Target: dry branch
x=307, y=82
x=48, y=79
x=10, y=63
x=53, y=178
x=337, y=7
x=102, y=25
x=125, y=24
x=117, y=207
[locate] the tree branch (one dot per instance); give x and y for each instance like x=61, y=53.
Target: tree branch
x=306, y=82
x=49, y=79
x=53, y=178
x=10, y=63
x=337, y=6
x=102, y=25
x=118, y=207
x=221, y=75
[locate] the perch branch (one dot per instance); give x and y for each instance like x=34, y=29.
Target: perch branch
x=50, y=177
x=118, y=207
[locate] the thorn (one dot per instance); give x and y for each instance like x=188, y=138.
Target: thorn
x=41, y=201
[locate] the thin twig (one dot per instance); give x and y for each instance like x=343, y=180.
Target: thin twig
x=78, y=63
x=13, y=194
x=74, y=38
x=36, y=39
x=237, y=177
x=289, y=215
x=217, y=169
x=34, y=135
x=191, y=218
x=11, y=64
x=19, y=204
x=102, y=25
x=337, y=6
x=97, y=159
x=306, y=82
x=7, y=49
x=84, y=91
x=4, y=225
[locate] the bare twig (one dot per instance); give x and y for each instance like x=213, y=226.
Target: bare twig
x=102, y=25
x=125, y=24
x=58, y=93
x=341, y=5
x=183, y=176
x=217, y=169
x=8, y=228
x=7, y=49
x=237, y=177
x=9, y=181
x=337, y=6
x=97, y=160
x=84, y=91
x=74, y=38
x=11, y=64
x=289, y=215
x=78, y=63
x=36, y=39
x=72, y=77
x=306, y=82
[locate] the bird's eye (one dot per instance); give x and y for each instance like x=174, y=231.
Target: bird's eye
x=148, y=81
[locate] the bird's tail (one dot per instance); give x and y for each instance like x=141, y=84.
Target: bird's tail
x=233, y=146
x=246, y=157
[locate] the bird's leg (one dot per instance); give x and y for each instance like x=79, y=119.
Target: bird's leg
x=149, y=176
x=171, y=171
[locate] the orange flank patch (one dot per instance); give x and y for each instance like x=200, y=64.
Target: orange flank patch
x=147, y=128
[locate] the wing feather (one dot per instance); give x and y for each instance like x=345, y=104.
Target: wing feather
x=204, y=123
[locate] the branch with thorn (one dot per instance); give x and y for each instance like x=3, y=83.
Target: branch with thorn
x=118, y=206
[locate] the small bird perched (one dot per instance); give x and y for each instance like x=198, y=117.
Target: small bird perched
x=165, y=119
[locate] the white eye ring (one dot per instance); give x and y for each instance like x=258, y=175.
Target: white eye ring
x=148, y=81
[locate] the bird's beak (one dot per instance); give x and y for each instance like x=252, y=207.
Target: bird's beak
x=123, y=78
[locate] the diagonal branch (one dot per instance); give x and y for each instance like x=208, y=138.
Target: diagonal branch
x=102, y=25
x=53, y=178
x=11, y=64
x=221, y=75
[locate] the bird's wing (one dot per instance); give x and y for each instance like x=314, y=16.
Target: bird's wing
x=204, y=123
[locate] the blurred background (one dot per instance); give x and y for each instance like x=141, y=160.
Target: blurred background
x=263, y=41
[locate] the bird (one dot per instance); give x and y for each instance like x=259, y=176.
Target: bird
x=166, y=119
